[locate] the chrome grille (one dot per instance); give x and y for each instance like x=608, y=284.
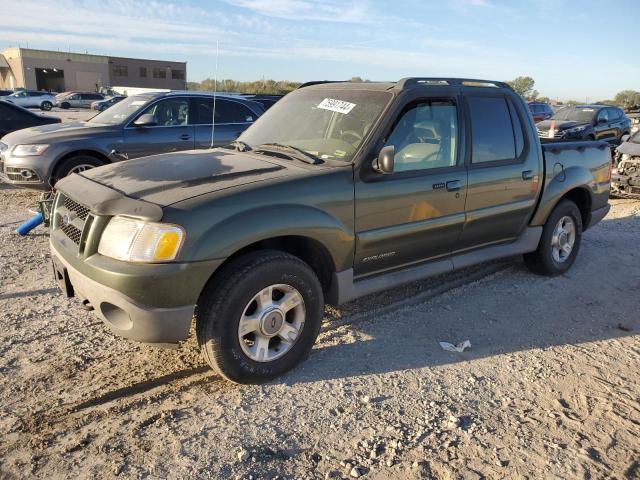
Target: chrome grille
x=70, y=217
x=80, y=210
x=72, y=232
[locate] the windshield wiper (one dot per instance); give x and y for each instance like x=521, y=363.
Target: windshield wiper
x=293, y=152
x=239, y=146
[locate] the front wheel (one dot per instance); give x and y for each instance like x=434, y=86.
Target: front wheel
x=46, y=106
x=75, y=164
x=559, y=243
x=259, y=317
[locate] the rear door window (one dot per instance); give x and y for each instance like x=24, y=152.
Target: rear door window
x=227, y=111
x=232, y=112
x=614, y=114
x=492, y=134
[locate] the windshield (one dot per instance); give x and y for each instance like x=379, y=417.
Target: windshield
x=576, y=114
x=329, y=124
x=121, y=111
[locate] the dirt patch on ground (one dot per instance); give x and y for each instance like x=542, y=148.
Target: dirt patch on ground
x=549, y=388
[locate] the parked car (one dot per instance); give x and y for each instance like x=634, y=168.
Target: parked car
x=540, y=111
x=14, y=117
x=4, y=93
x=139, y=125
x=31, y=99
x=625, y=180
x=106, y=103
x=586, y=122
x=79, y=100
x=339, y=190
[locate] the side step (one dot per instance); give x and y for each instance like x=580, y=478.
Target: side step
x=344, y=288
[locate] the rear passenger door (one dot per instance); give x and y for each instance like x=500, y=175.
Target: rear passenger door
x=504, y=171
x=231, y=119
x=415, y=213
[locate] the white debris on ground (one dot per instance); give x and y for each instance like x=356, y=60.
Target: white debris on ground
x=549, y=389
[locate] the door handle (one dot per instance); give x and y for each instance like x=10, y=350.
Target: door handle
x=185, y=136
x=453, y=185
x=527, y=175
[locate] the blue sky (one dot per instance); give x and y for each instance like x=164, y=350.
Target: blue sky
x=582, y=50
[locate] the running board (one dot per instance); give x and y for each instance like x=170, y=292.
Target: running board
x=344, y=288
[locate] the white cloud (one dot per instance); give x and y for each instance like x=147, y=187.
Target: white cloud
x=342, y=11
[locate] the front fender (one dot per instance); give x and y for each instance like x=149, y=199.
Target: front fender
x=233, y=233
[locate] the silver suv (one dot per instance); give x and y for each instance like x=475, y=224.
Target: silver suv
x=79, y=100
x=138, y=126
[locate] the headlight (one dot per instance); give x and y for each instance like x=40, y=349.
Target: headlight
x=134, y=240
x=625, y=157
x=29, y=150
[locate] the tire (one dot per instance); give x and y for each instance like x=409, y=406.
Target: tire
x=65, y=105
x=550, y=258
x=230, y=300
x=46, y=106
x=75, y=164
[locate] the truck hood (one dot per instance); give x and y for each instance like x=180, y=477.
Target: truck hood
x=172, y=177
x=59, y=132
x=560, y=125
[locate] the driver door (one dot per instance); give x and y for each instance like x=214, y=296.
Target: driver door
x=417, y=212
x=171, y=133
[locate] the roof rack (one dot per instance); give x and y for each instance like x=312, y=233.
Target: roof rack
x=461, y=82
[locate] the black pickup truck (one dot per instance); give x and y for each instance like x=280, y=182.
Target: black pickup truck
x=338, y=191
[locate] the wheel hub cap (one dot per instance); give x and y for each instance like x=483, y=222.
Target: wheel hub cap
x=563, y=239
x=271, y=322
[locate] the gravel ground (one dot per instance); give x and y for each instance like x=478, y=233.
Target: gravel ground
x=549, y=388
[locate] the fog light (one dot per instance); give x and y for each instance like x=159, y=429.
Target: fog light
x=21, y=174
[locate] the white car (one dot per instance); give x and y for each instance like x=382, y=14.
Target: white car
x=32, y=98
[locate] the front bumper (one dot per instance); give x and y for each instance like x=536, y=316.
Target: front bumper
x=30, y=172
x=124, y=316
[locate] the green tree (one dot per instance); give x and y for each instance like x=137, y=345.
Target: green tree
x=278, y=87
x=523, y=86
x=626, y=98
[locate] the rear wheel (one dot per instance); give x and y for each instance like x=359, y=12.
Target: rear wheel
x=76, y=164
x=46, y=106
x=259, y=317
x=560, y=241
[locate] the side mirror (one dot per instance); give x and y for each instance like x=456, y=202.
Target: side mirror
x=384, y=163
x=602, y=120
x=146, y=120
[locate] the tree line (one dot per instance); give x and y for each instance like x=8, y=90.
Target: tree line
x=523, y=85
x=271, y=87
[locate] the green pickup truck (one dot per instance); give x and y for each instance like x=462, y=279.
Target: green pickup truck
x=338, y=191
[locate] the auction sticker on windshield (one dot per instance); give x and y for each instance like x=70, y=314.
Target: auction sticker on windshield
x=339, y=106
